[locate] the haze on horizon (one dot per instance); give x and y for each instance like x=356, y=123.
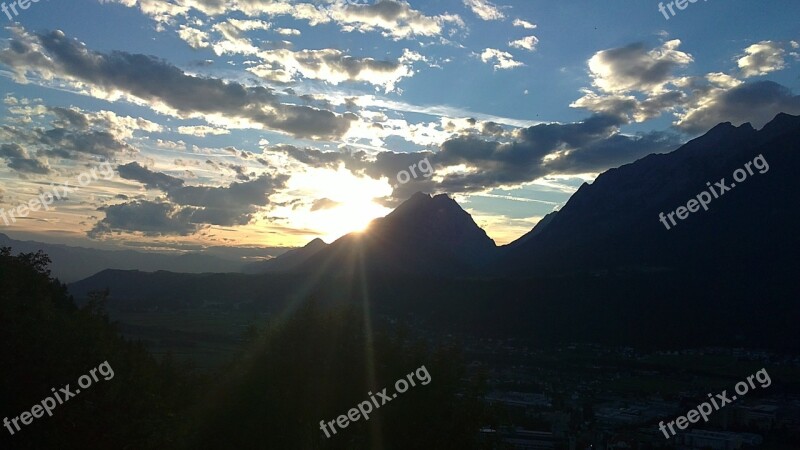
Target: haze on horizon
x=272, y=123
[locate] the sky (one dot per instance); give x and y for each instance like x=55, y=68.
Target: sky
x=190, y=123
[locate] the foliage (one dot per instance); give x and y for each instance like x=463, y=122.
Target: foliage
x=46, y=342
x=313, y=364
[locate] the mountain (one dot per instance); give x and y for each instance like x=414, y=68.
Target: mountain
x=615, y=224
x=288, y=261
x=602, y=269
x=424, y=235
x=75, y=263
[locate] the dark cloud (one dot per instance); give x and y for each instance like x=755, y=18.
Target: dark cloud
x=317, y=158
x=149, y=218
x=241, y=172
x=71, y=118
x=615, y=151
x=590, y=146
x=492, y=128
x=64, y=143
x=151, y=180
x=189, y=207
x=229, y=205
x=71, y=136
x=593, y=145
x=756, y=103
x=158, y=82
x=17, y=158
x=521, y=159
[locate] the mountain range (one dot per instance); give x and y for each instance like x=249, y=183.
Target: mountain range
x=610, y=224
x=71, y=263
x=602, y=267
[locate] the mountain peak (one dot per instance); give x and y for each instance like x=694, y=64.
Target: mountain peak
x=726, y=129
x=316, y=242
x=781, y=123
x=425, y=234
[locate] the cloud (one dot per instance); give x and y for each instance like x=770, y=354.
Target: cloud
x=17, y=158
x=756, y=103
x=761, y=59
x=494, y=158
x=73, y=135
x=526, y=43
x=524, y=24
x=228, y=205
x=614, y=151
x=233, y=40
x=50, y=136
x=71, y=118
x=697, y=103
x=151, y=180
x=501, y=59
x=315, y=158
x=146, y=217
x=485, y=9
x=634, y=68
x=395, y=19
x=590, y=146
x=63, y=143
x=637, y=84
x=629, y=107
x=189, y=208
x=314, y=14
x=194, y=37
x=288, y=31
x=202, y=131
x=331, y=66
x=163, y=86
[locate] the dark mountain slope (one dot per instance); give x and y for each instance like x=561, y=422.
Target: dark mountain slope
x=613, y=224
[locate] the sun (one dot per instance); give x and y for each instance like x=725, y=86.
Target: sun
x=348, y=217
x=343, y=202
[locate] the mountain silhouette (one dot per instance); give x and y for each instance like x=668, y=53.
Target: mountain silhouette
x=601, y=269
x=429, y=235
x=613, y=223
x=289, y=260
x=76, y=263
